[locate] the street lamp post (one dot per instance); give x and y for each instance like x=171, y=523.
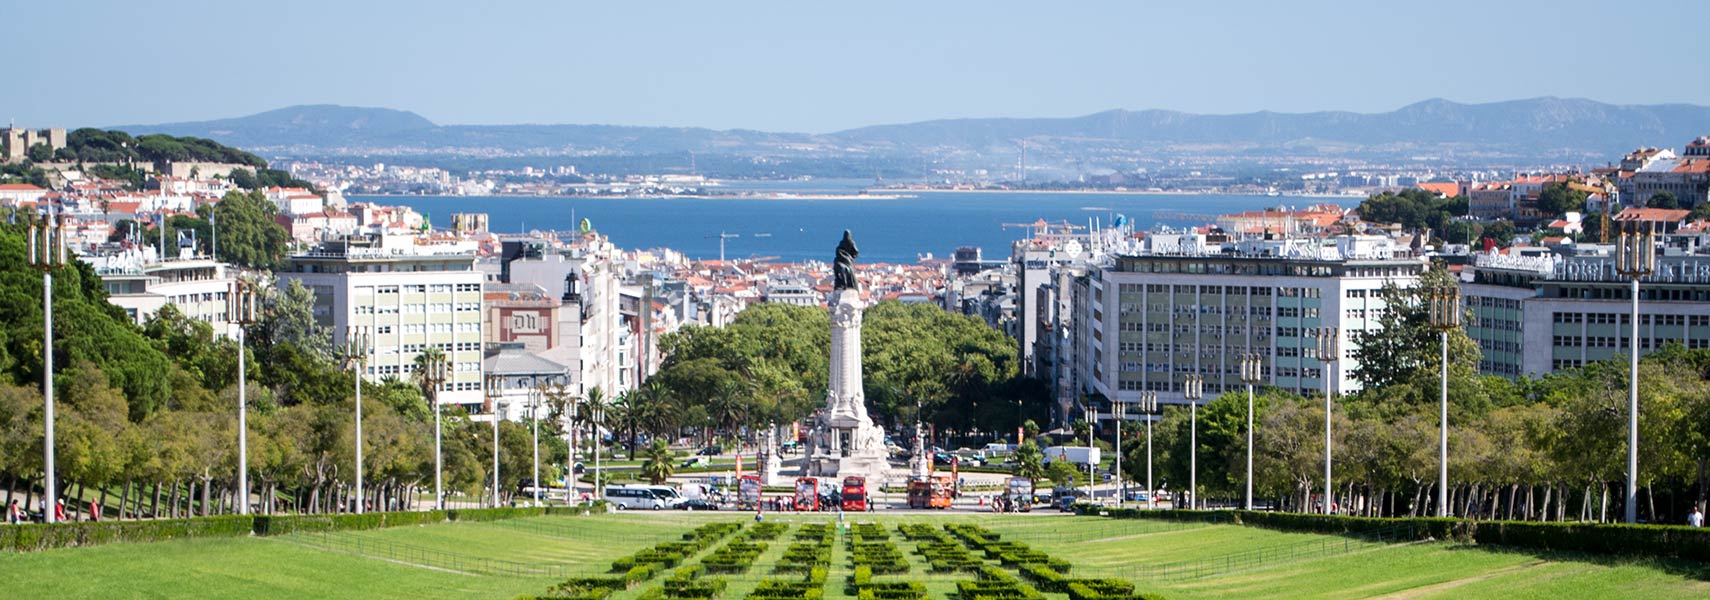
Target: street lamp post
x=435, y=377
x=1329, y=349
x=1149, y=406
x=1092, y=424
x=570, y=478
x=1252, y=372
x=599, y=412
x=241, y=309
x=1635, y=258
x=47, y=254
x=1120, y=412
x=356, y=347
x=494, y=390
x=1193, y=387
x=534, y=422
x=1445, y=313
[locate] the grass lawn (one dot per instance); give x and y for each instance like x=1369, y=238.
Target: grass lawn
x=434, y=562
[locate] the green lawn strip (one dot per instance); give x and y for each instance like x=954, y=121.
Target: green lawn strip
x=235, y=568
x=1564, y=579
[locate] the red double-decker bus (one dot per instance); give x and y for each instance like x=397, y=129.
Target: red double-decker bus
x=855, y=493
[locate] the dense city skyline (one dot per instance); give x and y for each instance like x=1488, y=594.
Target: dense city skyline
x=819, y=69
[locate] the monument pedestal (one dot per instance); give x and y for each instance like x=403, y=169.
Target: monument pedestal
x=844, y=440
x=768, y=463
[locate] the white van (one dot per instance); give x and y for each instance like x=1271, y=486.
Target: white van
x=622, y=498
x=667, y=494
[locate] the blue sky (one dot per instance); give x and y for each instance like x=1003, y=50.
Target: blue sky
x=821, y=66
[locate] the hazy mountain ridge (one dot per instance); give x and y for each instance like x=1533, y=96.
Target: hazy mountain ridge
x=1533, y=127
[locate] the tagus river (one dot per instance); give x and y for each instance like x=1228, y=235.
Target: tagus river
x=889, y=230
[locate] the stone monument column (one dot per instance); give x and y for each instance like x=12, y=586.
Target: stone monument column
x=847, y=442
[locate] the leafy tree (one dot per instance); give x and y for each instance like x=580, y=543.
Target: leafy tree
x=249, y=236
x=1063, y=473
x=1404, y=347
x=1501, y=231
x=1663, y=199
x=39, y=153
x=656, y=466
x=1414, y=209
x=289, y=318
x=1560, y=198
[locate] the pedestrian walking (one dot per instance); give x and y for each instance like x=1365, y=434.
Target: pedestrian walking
x=1695, y=518
x=14, y=515
x=59, y=510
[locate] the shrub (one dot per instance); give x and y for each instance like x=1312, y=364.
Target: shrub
x=31, y=537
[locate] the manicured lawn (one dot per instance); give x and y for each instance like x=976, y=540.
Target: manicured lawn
x=456, y=560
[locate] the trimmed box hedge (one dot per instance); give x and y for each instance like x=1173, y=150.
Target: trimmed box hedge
x=1674, y=541
x=30, y=537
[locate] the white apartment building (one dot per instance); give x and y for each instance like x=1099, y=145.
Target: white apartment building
x=412, y=296
x=593, y=339
x=1181, y=306
x=198, y=287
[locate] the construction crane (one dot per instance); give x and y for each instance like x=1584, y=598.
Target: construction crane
x=722, y=236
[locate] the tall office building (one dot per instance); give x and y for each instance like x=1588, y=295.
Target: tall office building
x=413, y=295
x=1539, y=311
x=1183, y=304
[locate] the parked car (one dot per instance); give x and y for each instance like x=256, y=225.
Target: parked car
x=698, y=504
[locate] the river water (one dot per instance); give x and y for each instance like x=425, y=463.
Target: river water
x=793, y=229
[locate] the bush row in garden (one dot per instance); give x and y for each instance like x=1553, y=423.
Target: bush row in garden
x=946, y=556
x=996, y=584
x=813, y=549
x=734, y=557
x=862, y=586
x=810, y=587
x=31, y=537
x=1601, y=538
x=919, y=532
x=766, y=531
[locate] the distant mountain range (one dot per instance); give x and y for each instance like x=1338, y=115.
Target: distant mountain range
x=1536, y=130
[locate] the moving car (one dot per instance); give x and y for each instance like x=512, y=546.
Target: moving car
x=710, y=451
x=698, y=504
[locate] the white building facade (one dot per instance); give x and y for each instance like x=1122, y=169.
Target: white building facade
x=411, y=297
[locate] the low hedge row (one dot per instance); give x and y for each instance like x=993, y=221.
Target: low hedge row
x=1600, y=538
x=31, y=537
x=996, y=584
x=766, y=531
x=811, y=587
x=735, y=557
x=1106, y=589
x=919, y=532
x=949, y=557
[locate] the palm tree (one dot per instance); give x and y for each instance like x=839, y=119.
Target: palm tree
x=423, y=367
x=1029, y=462
x=657, y=468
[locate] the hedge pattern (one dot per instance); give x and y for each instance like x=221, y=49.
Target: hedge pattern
x=1668, y=541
